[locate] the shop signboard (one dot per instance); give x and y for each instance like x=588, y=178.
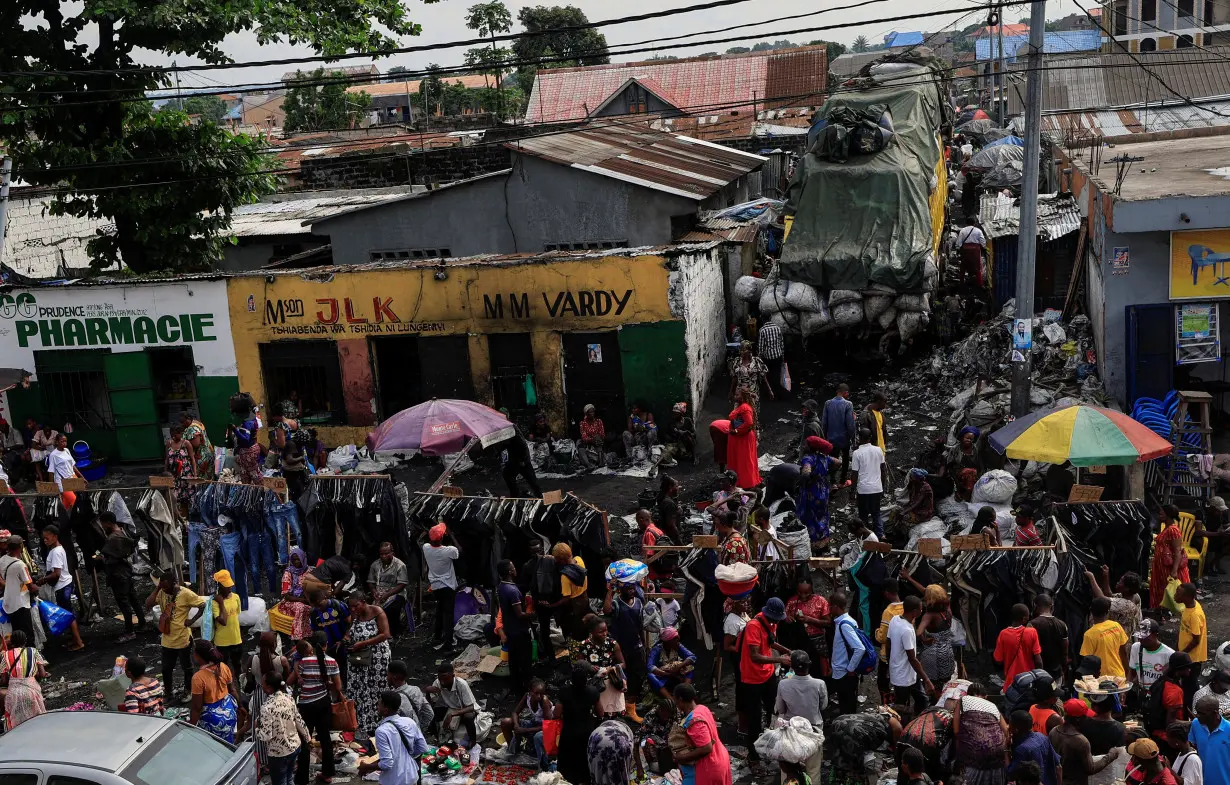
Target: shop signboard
x=119, y=319
x=1200, y=264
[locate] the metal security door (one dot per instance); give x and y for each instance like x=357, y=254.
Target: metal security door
x=593, y=373
x=1150, y=343
x=130, y=385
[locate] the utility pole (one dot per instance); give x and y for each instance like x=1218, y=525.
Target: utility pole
x=1002, y=62
x=1027, y=246
x=6, y=169
x=178, y=97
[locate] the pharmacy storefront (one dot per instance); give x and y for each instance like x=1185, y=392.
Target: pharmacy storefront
x=116, y=364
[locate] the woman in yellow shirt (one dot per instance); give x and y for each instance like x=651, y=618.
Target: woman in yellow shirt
x=573, y=604
x=227, y=635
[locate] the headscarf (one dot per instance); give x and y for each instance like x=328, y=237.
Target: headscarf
x=296, y=573
x=918, y=474
x=436, y=533
x=970, y=429
x=822, y=446
x=669, y=634
x=680, y=408
x=588, y=409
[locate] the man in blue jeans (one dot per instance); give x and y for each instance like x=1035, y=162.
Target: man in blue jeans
x=848, y=652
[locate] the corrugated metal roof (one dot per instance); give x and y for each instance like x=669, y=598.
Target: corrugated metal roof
x=293, y=214
x=399, y=88
x=1053, y=43
x=893, y=40
x=1058, y=215
x=782, y=77
x=1106, y=81
x=850, y=63
x=665, y=162
x=1119, y=123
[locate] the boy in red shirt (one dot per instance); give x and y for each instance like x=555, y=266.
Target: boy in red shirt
x=1018, y=648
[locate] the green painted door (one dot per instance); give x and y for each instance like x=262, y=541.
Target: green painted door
x=130, y=384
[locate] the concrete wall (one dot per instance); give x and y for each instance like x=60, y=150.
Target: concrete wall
x=249, y=255
x=537, y=203
x=1146, y=283
x=697, y=297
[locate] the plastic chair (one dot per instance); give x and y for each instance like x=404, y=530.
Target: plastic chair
x=1187, y=525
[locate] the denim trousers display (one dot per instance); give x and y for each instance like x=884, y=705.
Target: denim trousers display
x=232, y=557
x=258, y=550
x=206, y=539
x=282, y=520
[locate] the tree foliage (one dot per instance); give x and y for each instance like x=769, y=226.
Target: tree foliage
x=566, y=48
x=210, y=108
x=393, y=73
x=861, y=44
x=74, y=117
x=489, y=20
x=318, y=101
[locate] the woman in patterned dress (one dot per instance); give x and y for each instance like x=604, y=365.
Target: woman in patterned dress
x=180, y=463
x=812, y=506
x=294, y=599
x=202, y=448
x=935, y=635
x=601, y=653
x=610, y=754
x=369, y=638
x=23, y=666
x=748, y=372
x=215, y=703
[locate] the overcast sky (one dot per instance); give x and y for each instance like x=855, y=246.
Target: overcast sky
x=445, y=21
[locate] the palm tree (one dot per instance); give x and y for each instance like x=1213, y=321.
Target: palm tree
x=860, y=44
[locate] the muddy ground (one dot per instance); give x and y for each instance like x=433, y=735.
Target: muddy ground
x=916, y=416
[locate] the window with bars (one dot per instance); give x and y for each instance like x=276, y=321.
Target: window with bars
x=79, y=397
x=308, y=372
x=590, y=246
x=411, y=253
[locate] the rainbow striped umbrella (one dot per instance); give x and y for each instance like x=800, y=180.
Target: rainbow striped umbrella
x=1084, y=435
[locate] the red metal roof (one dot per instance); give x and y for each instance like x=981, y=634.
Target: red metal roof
x=775, y=78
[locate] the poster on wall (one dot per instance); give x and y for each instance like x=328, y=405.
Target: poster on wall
x=1022, y=334
x=1200, y=264
x=595, y=352
x=1198, y=333
x=1120, y=260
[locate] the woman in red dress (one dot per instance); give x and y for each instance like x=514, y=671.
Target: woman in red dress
x=741, y=446
x=1169, y=558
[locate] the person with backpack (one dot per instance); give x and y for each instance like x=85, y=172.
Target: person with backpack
x=758, y=666
x=905, y=670
x=1167, y=702
x=1018, y=648
x=851, y=650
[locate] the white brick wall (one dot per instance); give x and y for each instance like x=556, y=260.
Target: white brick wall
x=697, y=297
x=35, y=242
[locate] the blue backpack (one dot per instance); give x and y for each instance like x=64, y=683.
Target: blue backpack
x=870, y=660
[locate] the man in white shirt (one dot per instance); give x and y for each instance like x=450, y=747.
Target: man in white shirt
x=870, y=472
x=442, y=577
x=17, y=586
x=59, y=577
x=454, y=702
x=1149, y=657
x=904, y=669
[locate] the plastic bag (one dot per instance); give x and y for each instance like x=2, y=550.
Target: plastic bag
x=795, y=741
x=1168, y=600
x=56, y=619
x=773, y=298
x=749, y=288
x=627, y=571
x=876, y=304
x=848, y=314
x=803, y=297
x=785, y=380
x=995, y=487
x=842, y=296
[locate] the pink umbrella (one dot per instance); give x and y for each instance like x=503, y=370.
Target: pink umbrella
x=441, y=426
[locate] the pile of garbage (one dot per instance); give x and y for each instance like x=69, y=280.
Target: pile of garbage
x=802, y=309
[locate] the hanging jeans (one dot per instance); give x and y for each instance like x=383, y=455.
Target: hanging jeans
x=207, y=538
x=282, y=520
x=232, y=557
x=258, y=549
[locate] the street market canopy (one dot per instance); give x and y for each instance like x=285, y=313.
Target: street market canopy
x=1084, y=435
x=991, y=158
x=441, y=426
x=867, y=219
